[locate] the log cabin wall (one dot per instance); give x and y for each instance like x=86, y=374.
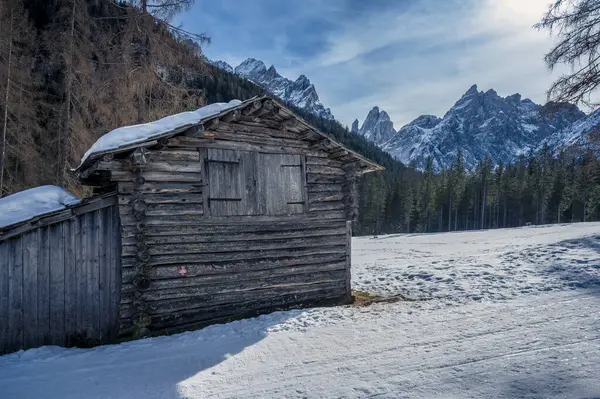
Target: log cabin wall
x=228, y=220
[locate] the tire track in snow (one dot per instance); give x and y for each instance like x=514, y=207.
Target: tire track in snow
x=457, y=345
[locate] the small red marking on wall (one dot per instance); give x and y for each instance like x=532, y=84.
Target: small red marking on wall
x=182, y=270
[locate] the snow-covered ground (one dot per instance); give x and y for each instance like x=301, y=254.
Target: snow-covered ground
x=509, y=313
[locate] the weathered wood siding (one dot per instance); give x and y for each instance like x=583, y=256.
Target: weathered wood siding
x=203, y=273
x=275, y=233
x=60, y=282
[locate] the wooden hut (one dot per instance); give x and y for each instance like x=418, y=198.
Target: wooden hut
x=229, y=211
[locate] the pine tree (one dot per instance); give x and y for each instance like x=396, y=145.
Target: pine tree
x=458, y=186
x=426, y=199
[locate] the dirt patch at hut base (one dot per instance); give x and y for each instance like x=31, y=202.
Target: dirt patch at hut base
x=365, y=298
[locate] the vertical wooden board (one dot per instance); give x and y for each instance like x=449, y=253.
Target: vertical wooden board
x=30, y=288
x=15, y=295
x=43, y=284
x=117, y=249
x=283, y=183
x=93, y=277
x=274, y=184
x=232, y=182
x=57, y=283
x=113, y=262
x=249, y=204
x=233, y=178
x=294, y=191
x=348, y=260
x=81, y=234
x=203, y=155
x=4, y=281
x=261, y=185
x=225, y=182
x=70, y=239
x=303, y=183
x=103, y=266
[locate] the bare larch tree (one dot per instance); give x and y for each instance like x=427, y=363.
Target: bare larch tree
x=576, y=25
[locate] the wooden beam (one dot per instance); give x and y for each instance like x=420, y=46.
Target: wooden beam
x=89, y=171
x=341, y=152
x=252, y=108
x=352, y=167
x=322, y=144
x=307, y=134
x=138, y=157
x=213, y=124
x=161, y=143
x=290, y=123
x=194, y=131
x=232, y=116
x=267, y=107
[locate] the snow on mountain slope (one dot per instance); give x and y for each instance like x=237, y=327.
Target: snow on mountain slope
x=509, y=313
x=480, y=124
x=223, y=65
x=575, y=135
x=301, y=93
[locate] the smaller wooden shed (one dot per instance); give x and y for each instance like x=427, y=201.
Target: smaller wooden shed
x=229, y=211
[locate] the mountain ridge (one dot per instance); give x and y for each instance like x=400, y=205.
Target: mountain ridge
x=301, y=92
x=479, y=124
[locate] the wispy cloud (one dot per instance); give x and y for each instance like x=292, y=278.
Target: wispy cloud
x=410, y=57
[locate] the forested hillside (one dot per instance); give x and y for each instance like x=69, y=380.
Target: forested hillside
x=70, y=70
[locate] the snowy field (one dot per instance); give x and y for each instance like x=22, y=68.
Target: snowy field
x=509, y=313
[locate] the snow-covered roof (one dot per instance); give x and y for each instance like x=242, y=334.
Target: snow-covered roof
x=128, y=135
x=27, y=204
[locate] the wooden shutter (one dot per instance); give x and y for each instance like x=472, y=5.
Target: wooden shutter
x=283, y=183
x=231, y=178
x=223, y=171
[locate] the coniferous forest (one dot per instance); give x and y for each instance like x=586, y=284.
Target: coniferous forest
x=70, y=70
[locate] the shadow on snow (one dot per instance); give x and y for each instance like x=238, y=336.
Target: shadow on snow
x=149, y=368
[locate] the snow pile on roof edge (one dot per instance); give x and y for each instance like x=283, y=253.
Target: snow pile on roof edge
x=33, y=202
x=128, y=135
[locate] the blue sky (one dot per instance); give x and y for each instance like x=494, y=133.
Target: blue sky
x=409, y=57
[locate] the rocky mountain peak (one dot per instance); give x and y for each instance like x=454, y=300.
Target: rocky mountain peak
x=576, y=135
x=251, y=67
x=383, y=116
x=301, y=93
x=374, y=112
x=472, y=90
x=377, y=127
x=515, y=98
x=354, y=126
x=426, y=121
x=302, y=82
x=491, y=93
x=480, y=124
x=271, y=73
